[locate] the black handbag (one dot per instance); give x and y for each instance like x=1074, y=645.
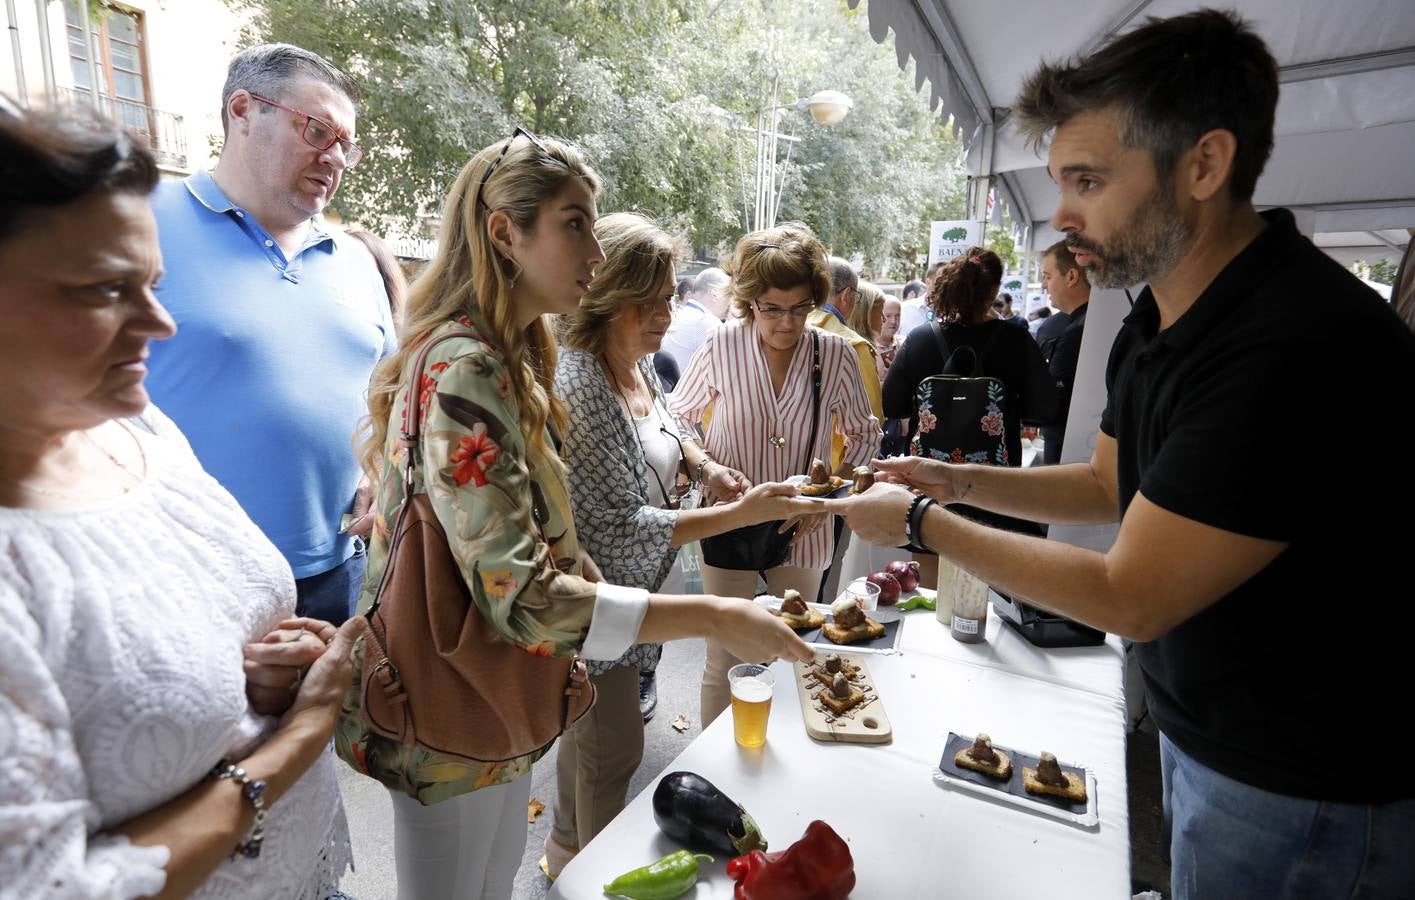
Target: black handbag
x=759, y=547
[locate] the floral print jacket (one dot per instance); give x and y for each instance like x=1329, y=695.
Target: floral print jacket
x=507, y=515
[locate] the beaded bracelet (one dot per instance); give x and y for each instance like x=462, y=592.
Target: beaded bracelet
x=703, y=464
x=913, y=524
x=253, y=790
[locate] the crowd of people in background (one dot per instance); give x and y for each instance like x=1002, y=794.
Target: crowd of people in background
x=219, y=407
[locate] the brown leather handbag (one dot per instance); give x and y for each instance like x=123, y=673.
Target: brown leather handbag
x=435, y=674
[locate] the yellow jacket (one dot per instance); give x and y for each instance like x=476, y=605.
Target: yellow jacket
x=869, y=374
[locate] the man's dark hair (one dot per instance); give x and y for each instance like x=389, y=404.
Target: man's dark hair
x=52, y=157
x=684, y=286
x=1065, y=259
x=267, y=69
x=842, y=275
x=1170, y=81
x=1040, y=313
x=914, y=289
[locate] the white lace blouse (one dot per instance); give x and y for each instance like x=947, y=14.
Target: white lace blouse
x=121, y=628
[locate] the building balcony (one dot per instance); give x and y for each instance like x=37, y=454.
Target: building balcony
x=162, y=131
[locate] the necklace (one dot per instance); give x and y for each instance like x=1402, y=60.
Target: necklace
x=137, y=477
x=670, y=501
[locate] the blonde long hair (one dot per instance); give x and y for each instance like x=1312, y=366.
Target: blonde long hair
x=469, y=275
x=867, y=297
x=638, y=255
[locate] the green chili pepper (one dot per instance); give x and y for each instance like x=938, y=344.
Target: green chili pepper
x=672, y=876
x=918, y=601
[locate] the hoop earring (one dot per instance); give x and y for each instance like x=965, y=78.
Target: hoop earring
x=515, y=274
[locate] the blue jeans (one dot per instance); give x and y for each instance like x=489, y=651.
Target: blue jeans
x=1229, y=839
x=332, y=595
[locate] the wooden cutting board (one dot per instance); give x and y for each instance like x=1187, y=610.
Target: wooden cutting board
x=865, y=724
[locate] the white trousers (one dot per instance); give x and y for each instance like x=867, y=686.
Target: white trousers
x=464, y=848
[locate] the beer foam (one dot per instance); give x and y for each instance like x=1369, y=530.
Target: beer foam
x=751, y=690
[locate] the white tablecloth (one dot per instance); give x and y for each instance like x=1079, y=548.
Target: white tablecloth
x=909, y=836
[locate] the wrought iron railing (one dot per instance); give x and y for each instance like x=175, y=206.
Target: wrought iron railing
x=163, y=131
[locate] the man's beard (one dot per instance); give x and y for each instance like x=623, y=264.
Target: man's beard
x=1150, y=244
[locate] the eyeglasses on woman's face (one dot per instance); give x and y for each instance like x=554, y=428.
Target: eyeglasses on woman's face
x=774, y=313
x=319, y=134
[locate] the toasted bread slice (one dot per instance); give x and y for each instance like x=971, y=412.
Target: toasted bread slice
x=1002, y=770
x=811, y=489
x=1074, y=791
x=814, y=618
x=849, y=670
x=839, y=705
x=866, y=632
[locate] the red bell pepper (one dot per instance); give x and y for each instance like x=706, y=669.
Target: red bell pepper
x=817, y=867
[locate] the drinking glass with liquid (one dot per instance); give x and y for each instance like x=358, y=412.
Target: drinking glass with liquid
x=751, y=702
x=865, y=593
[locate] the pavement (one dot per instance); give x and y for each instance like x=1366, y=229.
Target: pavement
x=679, y=677
x=371, y=814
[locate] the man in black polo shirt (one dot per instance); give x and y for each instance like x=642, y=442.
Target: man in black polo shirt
x=1255, y=398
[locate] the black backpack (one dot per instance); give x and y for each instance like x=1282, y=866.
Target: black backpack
x=961, y=412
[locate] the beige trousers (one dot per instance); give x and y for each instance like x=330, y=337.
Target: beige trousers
x=597, y=758
x=716, y=695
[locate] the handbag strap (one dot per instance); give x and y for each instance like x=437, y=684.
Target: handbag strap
x=815, y=399
x=977, y=354
x=410, y=440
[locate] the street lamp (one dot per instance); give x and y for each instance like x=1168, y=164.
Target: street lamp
x=826, y=107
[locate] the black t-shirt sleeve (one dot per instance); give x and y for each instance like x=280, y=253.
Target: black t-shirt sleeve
x=1223, y=461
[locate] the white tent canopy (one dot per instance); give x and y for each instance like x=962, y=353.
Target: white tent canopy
x=1344, y=157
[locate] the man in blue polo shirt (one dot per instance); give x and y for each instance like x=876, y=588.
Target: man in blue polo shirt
x=280, y=322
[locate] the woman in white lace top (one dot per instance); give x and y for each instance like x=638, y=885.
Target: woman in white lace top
x=146, y=622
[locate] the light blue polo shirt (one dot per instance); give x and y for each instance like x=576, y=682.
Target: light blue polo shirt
x=268, y=373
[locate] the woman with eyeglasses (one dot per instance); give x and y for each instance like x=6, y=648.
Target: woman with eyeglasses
x=625, y=455
x=517, y=245
x=751, y=384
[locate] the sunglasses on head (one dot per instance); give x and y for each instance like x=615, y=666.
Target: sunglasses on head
x=540, y=145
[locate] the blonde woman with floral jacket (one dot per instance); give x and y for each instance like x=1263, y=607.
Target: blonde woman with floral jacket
x=517, y=244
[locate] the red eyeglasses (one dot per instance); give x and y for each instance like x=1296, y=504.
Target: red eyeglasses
x=319, y=134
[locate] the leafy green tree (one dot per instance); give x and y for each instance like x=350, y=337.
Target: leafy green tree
x=1381, y=271
x=1000, y=241
x=660, y=93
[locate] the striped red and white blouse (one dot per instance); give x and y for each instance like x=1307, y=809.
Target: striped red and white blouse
x=729, y=372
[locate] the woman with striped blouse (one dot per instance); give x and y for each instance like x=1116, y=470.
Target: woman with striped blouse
x=749, y=386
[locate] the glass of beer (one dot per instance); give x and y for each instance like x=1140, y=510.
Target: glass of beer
x=751, y=702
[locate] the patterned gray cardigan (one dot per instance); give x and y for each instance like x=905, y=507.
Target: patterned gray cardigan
x=627, y=537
